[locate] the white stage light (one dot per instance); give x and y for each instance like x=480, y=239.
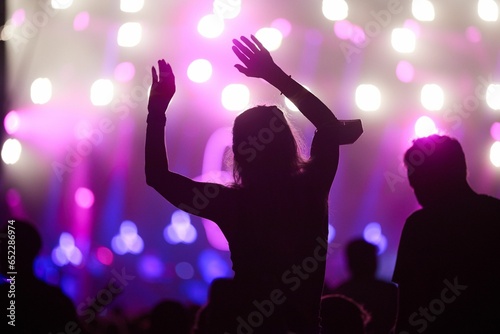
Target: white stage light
x=335, y=10
x=101, y=93
x=368, y=97
x=41, y=91
x=432, y=97
x=403, y=40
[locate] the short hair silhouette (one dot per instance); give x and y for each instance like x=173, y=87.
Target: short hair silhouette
x=169, y=316
x=266, y=131
x=436, y=166
x=362, y=258
x=342, y=315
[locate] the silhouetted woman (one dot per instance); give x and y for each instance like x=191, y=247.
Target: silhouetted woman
x=275, y=216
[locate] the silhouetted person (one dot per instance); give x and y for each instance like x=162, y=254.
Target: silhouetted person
x=342, y=315
x=213, y=314
x=169, y=317
x=275, y=216
x=378, y=297
x=38, y=307
x=447, y=266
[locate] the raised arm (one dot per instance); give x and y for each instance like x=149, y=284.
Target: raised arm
x=162, y=91
x=259, y=64
x=181, y=191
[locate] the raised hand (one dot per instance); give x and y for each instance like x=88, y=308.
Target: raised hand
x=162, y=89
x=256, y=58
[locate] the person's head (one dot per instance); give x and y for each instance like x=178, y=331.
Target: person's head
x=28, y=244
x=362, y=258
x=342, y=315
x=169, y=316
x=436, y=168
x=264, y=146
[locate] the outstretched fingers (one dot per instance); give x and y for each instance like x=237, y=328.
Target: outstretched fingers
x=243, y=49
x=259, y=44
x=249, y=44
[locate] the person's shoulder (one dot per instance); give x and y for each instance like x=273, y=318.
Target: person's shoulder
x=489, y=200
x=418, y=217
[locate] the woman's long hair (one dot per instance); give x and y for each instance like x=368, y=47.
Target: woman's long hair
x=264, y=147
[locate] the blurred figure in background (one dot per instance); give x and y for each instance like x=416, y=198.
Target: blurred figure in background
x=378, y=297
x=39, y=307
x=342, y=315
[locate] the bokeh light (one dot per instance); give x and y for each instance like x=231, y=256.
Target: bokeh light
x=423, y=10
x=211, y=26
x=335, y=10
x=432, y=97
x=283, y=25
x=184, y=270
x=212, y=266
x=368, y=97
x=131, y=6
x=11, y=151
x=271, y=38
x=41, y=91
x=372, y=233
x=18, y=17
x=180, y=229
x=495, y=154
x=487, y=10
x=67, y=252
x=473, y=34
x=200, y=70
x=403, y=40
x=81, y=21
x=102, y=92
x=129, y=34
x=343, y=29
x=235, y=97
x=124, y=72
x=331, y=233
x=424, y=127
x=495, y=131
x=104, y=255
x=493, y=96
x=61, y=4
x=151, y=267
x=11, y=122
x=84, y=197
x=128, y=240
x=405, y=71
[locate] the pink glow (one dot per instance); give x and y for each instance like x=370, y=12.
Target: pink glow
x=11, y=122
x=405, y=71
x=282, y=25
x=124, y=72
x=413, y=26
x=81, y=21
x=495, y=131
x=18, y=17
x=105, y=255
x=358, y=35
x=13, y=198
x=473, y=34
x=84, y=197
x=343, y=29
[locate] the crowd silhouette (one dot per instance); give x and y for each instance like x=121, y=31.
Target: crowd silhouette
x=275, y=218
x=379, y=298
